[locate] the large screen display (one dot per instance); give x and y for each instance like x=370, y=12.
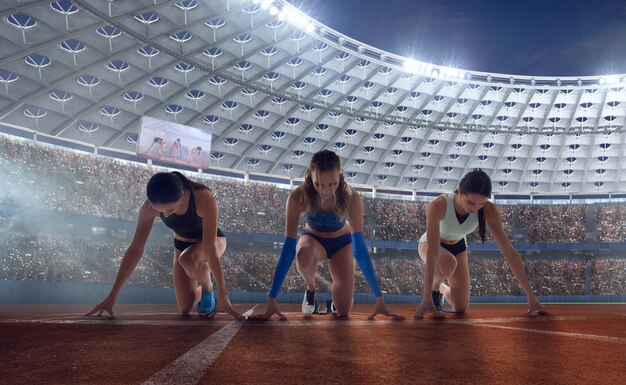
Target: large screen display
x=173, y=142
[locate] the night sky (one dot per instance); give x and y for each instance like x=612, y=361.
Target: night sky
x=541, y=38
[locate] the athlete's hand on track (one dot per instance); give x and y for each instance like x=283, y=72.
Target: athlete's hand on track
x=223, y=304
x=427, y=307
x=381, y=308
x=534, y=306
x=272, y=308
x=105, y=305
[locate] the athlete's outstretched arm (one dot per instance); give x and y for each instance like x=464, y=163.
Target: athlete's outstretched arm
x=207, y=208
x=287, y=255
x=512, y=257
x=362, y=256
x=435, y=212
x=131, y=258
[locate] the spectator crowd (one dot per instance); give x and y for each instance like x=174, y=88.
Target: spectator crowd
x=60, y=180
x=80, y=259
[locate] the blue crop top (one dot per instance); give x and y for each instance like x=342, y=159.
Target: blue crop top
x=326, y=222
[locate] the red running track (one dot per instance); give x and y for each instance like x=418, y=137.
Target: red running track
x=579, y=344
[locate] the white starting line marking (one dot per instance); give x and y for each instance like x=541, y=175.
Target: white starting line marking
x=191, y=366
x=380, y=321
x=105, y=321
x=308, y=320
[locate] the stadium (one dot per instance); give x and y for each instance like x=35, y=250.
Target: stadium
x=97, y=97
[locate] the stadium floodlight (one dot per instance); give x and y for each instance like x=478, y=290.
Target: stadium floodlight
x=416, y=66
x=451, y=72
x=296, y=17
x=412, y=65
x=273, y=11
x=610, y=79
x=287, y=11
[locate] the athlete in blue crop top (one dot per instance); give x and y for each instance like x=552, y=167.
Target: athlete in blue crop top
x=449, y=218
x=326, y=201
x=190, y=210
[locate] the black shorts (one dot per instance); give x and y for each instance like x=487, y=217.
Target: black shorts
x=456, y=248
x=182, y=245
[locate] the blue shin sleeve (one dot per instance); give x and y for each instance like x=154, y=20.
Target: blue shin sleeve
x=359, y=249
x=287, y=254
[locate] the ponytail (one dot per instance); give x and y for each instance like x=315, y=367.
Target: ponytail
x=481, y=224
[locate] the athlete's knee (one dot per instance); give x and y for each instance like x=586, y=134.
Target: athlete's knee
x=343, y=308
x=185, y=310
x=447, y=266
x=343, y=304
x=461, y=308
x=221, y=245
x=185, y=305
x=191, y=263
x=305, y=259
x=185, y=260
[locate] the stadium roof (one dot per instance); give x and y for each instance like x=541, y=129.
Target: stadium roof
x=274, y=86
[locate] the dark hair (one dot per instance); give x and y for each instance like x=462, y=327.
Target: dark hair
x=325, y=160
x=477, y=182
x=167, y=187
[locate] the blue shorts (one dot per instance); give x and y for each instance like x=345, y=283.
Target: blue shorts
x=331, y=245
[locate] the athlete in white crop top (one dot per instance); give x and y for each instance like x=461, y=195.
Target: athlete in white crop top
x=449, y=218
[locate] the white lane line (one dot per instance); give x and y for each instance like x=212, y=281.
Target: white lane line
x=151, y=313
x=519, y=319
x=82, y=314
x=191, y=366
x=105, y=321
x=318, y=321
x=43, y=314
x=329, y=322
x=316, y=317
x=593, y=337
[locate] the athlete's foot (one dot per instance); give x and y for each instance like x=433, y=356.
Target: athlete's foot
x=445, y=290
x=308, y=302
x=207, y=304
x=437, y=300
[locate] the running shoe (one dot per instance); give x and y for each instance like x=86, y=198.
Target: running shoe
x=309, y=304
x=207, y=304
x=438, y=300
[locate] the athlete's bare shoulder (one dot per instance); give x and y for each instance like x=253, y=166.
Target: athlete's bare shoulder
x=148, y=210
